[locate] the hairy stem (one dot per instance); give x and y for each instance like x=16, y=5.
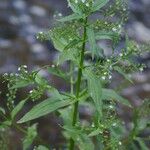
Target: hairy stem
x=78, y=84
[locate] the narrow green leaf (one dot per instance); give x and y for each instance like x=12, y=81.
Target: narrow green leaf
x=70, y=54
x=39, y=80
x=47, y=106
x=85, y=143
x=59, y=43
x=21, y=84
x=111, y=94
x=7, y=123
x=75, y=8
x=31, y=134
x=2, y=110
x=142, y=144
x=17, y=108
x=95, y=89
x=94, y=133
x=57, y=72
x=71, y=17
x=72, y=44
x=119, y=70
x=92, y=41
x=103, y=35
x=98, y=4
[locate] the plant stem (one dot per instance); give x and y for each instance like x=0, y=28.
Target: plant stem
x=71, y=78
x=78, y=84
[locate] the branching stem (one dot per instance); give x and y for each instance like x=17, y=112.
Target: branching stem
x=78, y=84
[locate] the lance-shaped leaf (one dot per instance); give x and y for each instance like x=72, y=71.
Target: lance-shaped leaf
x=98, y=4
x=17, y=108
x=71, y=17
x=111, y=94
x=73, y=43
x=142, y=144
x=119, y=70
x=47, y=106
x=58, y=42
x=57, y=72
x=92, y=41
x=2, y=110
x=95, y=132
x=103, y=35
x=21, y=84
x=29, y=138
x=70, y=54
x=94, y=89
x=75, y=7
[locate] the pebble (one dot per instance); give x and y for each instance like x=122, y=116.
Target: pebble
x=38, y=11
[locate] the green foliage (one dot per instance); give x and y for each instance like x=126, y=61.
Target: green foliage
x=45, y=107
x=75, y=37
x=31, y=134
x=94, y=89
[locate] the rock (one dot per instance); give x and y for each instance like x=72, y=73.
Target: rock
x=38, y=11
x=19, y=4
x=139, y=32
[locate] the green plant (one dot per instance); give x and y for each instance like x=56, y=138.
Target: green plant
x=76, y=38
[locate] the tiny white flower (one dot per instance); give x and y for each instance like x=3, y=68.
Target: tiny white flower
x=124, y=9
x=120, y=54
x=120, y=143
x=110, y=77
x=108, y=60
x=92, y=125
x=114, y=29
x=119, y=26
x=83, y=1
x=111, y=107
x=59, y=14
x=87, y=4
x=114, y=124
x=37, y=37
x=19, y=69
x=141, y=69
x=31, y=91
x=76, y=1
x=26, y=71
x=40, y=32
x=5, y=74
x=105, y=73
x=24, y=66
x=53, y=66
x=103, y=77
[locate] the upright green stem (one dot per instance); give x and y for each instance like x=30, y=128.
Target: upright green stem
x=71, y=78
x=78, y=84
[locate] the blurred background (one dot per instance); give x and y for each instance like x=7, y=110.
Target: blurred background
x=20, y=20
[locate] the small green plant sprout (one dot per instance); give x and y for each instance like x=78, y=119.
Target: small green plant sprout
x=77, y=39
